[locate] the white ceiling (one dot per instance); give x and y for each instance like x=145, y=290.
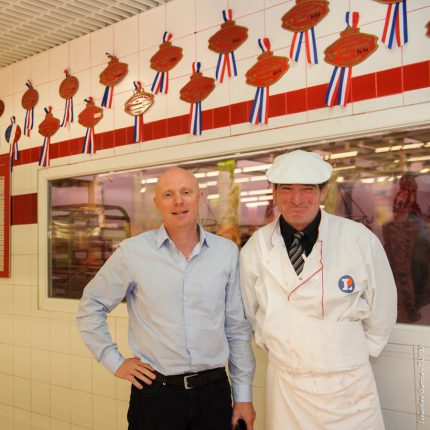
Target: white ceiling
x=31, y=26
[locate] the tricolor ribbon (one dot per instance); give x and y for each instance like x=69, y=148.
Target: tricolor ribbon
x=108, y=94
x=226, y=61
x=341, y=78
x=13, y=151
x=44, y=154
x=260, y=107
x=138, y=120
x=29, y=116
x=310, y=45
x=161, y=80
x=68, y=108
x=396, y=25
x=88, y=147
x=195, y=118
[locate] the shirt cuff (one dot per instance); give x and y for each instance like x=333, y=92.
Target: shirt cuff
x=113, y=361
x=242, y=393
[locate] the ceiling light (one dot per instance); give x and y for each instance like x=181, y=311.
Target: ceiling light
x=344, y=168
x=399, y=147
x=263, y=191
x=343, y=155
x=426, y=157
x=263, y=198
x=258, y=178
x=256, y=168
x=254, y=204
x=249, y=199
x=367, y=180
x=213, y=196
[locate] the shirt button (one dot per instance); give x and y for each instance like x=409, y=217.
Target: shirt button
x=300, y=279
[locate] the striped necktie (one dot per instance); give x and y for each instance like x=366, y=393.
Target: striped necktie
x=296, y=251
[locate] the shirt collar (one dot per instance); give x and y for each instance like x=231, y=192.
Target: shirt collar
x=162, y=236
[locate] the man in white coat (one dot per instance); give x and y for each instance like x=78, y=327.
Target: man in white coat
x=320, y=295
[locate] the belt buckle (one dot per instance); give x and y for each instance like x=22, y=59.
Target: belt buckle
x=186, y=385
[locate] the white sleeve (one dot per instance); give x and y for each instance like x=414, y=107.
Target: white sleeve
x=382, y=298
x=249, y=261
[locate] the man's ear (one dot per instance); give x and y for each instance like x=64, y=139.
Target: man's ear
x=324, y=192
x=274, y=194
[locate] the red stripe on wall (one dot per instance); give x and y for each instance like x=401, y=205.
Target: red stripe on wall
x=23, y=209
x=364, y=87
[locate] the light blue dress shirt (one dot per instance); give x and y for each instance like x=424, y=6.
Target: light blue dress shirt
x=184, y=316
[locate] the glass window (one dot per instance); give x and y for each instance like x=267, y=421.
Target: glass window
x=382, y=181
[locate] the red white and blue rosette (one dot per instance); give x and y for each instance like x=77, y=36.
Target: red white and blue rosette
x=29, y=115
x=138, y=120
x=396, y=25
x=68, y=108
x=44, y=154
x=260, y=107
x=195, y=118
x=341, y=78
x=310, y=46
x=12, y=135
x=68, y=113
x=227, y=61
x=161, y=80
x=88, y=147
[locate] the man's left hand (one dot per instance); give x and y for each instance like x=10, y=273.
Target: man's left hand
x=244, y=411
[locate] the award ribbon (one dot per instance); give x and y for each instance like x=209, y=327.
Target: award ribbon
x=310, y=45
x=396, y=24
x=68, y=108
x=226, y=61
x=161, y=80
x=29, y=116
x=340, y=81
x=44, y=155
x=195, y=118
x=88, y=147
x=138, y=120
x=107, y=97
x=260, y=107
x=13, y=133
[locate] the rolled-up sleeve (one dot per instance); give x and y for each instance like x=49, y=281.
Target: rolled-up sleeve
x=383, y=298
x=239, y=334
x=102, y=294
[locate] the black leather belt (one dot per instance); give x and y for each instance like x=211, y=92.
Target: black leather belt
x=192, y=380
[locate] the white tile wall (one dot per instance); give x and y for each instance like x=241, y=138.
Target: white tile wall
x=48, y=378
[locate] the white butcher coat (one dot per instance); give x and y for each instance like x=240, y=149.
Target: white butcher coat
x=320, y=327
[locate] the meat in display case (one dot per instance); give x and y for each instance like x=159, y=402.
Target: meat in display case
x=83, y=236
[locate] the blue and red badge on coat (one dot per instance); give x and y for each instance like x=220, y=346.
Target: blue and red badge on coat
x=346, y=284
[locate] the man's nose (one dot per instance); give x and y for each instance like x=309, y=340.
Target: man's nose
x=297, y=196
x=177, y=199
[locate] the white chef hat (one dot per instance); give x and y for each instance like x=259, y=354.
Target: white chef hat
x=299, y=167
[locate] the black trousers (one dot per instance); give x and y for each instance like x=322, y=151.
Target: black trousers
x=169, y=407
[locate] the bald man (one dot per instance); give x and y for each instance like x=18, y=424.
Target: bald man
x=186, y=319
